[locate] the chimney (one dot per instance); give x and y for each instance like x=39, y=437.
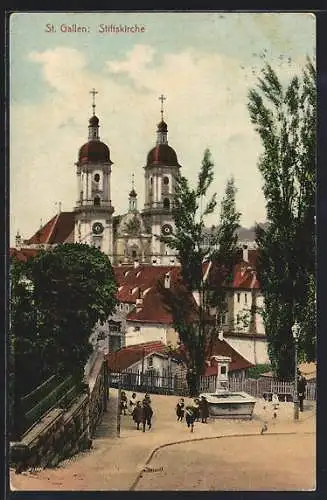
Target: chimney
x=221, y=334
x=18, y=241
x=136, y=263
x=139, y=304
x=167, y=280
x=245, y=253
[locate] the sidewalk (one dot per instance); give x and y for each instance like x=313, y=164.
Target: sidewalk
x=114, y=463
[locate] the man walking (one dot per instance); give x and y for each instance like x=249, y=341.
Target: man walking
x=204, y=409
x=190, y=417
x=147, y=414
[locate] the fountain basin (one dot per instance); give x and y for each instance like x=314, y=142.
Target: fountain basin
x=226, y=404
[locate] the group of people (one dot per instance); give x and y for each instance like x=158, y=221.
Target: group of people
x=193, y=412
x=141, y=411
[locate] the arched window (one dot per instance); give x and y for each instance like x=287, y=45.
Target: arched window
x=166, y=180
x=166, y=203
x=96, y=177
x=134, y=254
x=96, y=201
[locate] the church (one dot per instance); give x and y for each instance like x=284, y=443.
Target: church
x=126, y=238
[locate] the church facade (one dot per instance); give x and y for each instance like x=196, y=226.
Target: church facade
x=127, y=238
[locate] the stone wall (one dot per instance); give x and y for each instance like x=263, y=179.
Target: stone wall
x=64, y=432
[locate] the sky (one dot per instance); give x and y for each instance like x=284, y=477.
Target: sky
x=204, y=63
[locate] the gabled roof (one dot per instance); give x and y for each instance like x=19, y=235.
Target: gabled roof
x=24, y=254
x=244, y=273
x=57, y=230
x=222, y=348
x=128, y=356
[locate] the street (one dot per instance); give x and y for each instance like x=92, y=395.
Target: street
x=282, y=458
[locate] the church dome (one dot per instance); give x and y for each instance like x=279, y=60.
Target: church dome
x=162, y=154
x=94, y=151
x=133, y=193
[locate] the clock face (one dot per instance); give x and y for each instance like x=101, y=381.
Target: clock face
x=97, y=228
x=166, y=229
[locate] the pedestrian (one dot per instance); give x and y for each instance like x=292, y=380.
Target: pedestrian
x=302, y=383
x=275, y=401
x=132, y=403
x=204, y=409
x=190, y=413
x=197, y=409
x=137, y=414
x=146, y=414
x=123, y=403
x=147, y=398
x=180, y=409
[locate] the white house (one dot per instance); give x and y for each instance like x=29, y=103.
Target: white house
x=150, y=362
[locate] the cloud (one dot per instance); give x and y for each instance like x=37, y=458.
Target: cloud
x=205, y=107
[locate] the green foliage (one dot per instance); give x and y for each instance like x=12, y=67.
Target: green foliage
x=196, y=328
x=258, y=370
x=286, y=122
x=226, y=254
x=57, y=298
x=74, y=287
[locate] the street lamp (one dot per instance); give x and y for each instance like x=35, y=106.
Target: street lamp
x=295, y=333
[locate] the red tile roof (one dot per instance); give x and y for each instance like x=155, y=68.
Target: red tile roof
x=59, y=229
x=244, y=273
x=24, y=254
x=127, y=356
x=221, y=348
x=245, y=277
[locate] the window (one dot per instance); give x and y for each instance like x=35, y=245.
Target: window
x=134, y=254
x=223, y=370
x=166, y=180
x=238, y=297
x=150, y=362
x=114, y=343
x=96, y=201
x=246, y=298
x=96, y=177
x=166, y=203
x=151, y=180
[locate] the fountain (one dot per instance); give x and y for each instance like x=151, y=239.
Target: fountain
x=224, y=403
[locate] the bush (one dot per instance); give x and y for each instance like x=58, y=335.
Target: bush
x=257, y=370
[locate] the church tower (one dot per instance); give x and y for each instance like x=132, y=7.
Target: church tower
x=93, y=211
x=161, y=170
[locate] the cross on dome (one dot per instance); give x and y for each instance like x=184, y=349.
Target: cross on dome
x=93, y=92
x=162, y=98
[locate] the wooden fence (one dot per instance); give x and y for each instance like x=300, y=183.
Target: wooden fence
x=176, y=384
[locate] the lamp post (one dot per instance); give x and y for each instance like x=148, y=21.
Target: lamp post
x=295, y=333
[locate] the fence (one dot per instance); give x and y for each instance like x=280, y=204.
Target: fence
x=147, y=382
x=267, y=386
x=54, y=392
x=176, y=384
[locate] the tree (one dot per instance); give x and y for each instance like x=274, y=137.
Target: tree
x=57, y=298
x=285, y=119
x=191, y=318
